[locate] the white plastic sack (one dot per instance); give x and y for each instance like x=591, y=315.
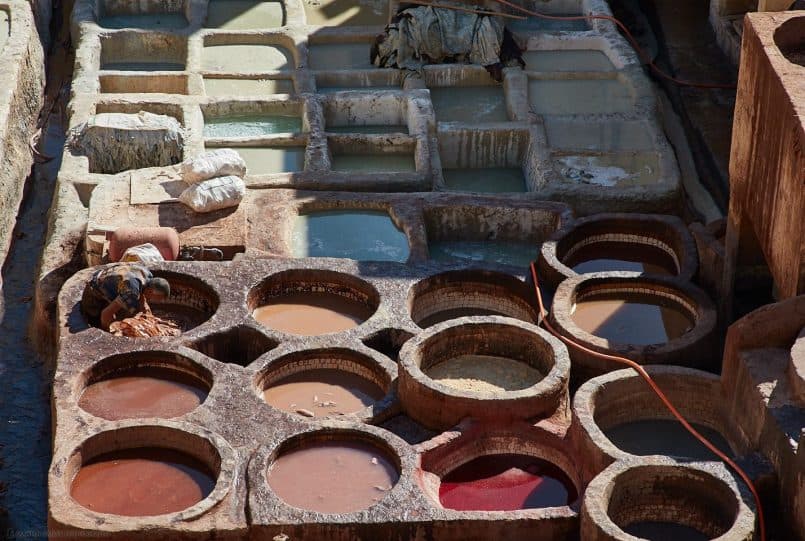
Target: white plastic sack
x=216, y=163
x=214, y=194
x=142, y=253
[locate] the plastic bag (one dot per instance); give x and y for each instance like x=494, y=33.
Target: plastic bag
x=216, y=163
x=142, y=253
x=214, y=194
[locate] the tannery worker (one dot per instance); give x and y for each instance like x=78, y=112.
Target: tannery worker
x=122, y=287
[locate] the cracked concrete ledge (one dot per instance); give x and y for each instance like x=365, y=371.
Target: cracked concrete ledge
x=23, y=74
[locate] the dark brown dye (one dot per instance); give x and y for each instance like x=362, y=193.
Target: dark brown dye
x=632, y=319
x=143, y=393
x=142, y=482
x=665, y=437
x=506, y=482
x=310, y=314
x=620, y=256
x=453, y=313
x=333, y=476
x=665, y=531
x=323, y=392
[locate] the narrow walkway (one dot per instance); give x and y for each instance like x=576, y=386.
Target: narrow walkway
x=25, y=399
x=689, y=51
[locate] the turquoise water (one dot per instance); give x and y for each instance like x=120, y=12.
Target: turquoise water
x=251, y=125
x=514, y=253
x=374, y=162
x=363, y=235
x=469, y=104
x=579, y=96
x=488, y=180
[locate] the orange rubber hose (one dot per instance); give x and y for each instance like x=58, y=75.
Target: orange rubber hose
x=654, y=387
x=640, y=51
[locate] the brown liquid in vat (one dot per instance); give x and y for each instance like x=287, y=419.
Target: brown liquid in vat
x=632, y=319
x=309, y=314
x=151, y=393
x=323, y=392
x=333, y=476
x=142, y=482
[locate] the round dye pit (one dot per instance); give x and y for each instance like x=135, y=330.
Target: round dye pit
x=648, y=319
x=484, y=373
x=144, y=392
x=506, y=482
x=142, y=482
x=651, y=244
x=312, y=302
x=323, y=392
x=617, y=256
x=311, y=314
x=659, y=499
x=632, y=318
x=789, y=39
x=455, y=294
x=621, y=415
x=491, y=369
x=337, y=476
x=191, y=303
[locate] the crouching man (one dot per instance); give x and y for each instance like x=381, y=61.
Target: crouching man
x=125, y=287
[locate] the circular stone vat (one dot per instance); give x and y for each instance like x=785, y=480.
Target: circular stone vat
x=500, y=471
x=646, y=243
x=658, y=499
x=651, y=320
x=457, y=294
x=505, y=482
x=144, y=384
x=620, y=415
x=790, y=39
x=146, y=471
x=312, y=302
x=495, y=368
x=333, y=472
x=191, y=303
x=323, y=383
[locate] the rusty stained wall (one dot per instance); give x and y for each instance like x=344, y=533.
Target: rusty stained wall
x=767, y=165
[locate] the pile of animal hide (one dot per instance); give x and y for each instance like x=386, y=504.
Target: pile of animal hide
x=144, y=325
x=427, y=35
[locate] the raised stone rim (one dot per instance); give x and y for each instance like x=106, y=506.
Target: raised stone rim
x=597, y=525
x=690, y=349
x=418, y=391
x=666, y=229
x=189, y=439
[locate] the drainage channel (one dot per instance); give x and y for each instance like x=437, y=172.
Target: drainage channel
x=25, y=429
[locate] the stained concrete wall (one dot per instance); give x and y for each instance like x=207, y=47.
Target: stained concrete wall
x=22, y=72
x=767, y=163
